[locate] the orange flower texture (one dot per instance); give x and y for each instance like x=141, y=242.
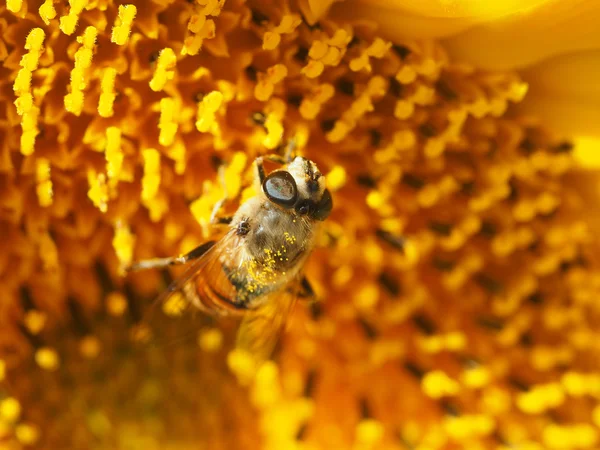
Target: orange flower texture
x=455, y=280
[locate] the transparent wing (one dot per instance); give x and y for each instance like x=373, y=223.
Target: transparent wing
x=203, y=286
x=261, y=327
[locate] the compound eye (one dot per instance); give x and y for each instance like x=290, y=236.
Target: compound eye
x=280, y=188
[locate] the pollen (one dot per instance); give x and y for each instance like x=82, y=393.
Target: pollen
x=68, y=23
x=116, y=304
x=47, y=358
x=47, y=11
x=123, y=23
x=123, y=242
x=437, y=384
x=167, y=124
x=10, y=409
x=165, y=69
x=207, y=110
x=114, y=155
x=267, y=81
x=14, y=5
x=175, y=305
x=151, y=178
x=79, y=75
x=243, y=366
x=27, y=434
x=98, y=190
x=210, y=339
x=289, y=23
x=44, y=187
x=107, y=94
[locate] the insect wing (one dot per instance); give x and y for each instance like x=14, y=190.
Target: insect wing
x=199, y=283
x=261, y=327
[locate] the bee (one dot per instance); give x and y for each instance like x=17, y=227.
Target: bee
x=256, y=269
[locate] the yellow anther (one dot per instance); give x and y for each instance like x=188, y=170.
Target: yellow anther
x=379, y=48
x=575, y=384
x=90, y=347
x=318, y=50
x=48, y=252
x=10, y=409
x=332, y=57
x=243, y=365
x=151, y=178
x=289, y=23
x=366, y=297
x=517, y=91
x=336, y=178
x=165, y=69
x=207, y=110
x=27, y=434
x=360, y=63
x=468, y=426
x=313, y=69
x=83, y=60
x=114, y=155
x=311, y=105
x=123, y=242
x=193, y=43
x=98, y=191
x=475, y=378
x=107, y=93
x=271, y=40
x=437, y=384
x=167, y=125
x=122, y=28
x=43, y=182
x=211, y=7
x=341, y=38
x=274, y=129
x=14, y=5
x=267, y=81
x=88, y=39
x=404, y=109
x=340, y=130
x=2, y=370
x=210, y=339
x=22, y=84
x=369, y=433
x=196, y=23
x=406, y=75
x=47, y=358
x=47, y=11
x=29, y=125
x=68, y=23
x=175, y=305
x=116, y=304
x=434, y=148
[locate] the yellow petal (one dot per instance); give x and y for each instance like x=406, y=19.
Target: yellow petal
x=564, y=92
x=313, y=10
x=432, y=18
x=516, y=41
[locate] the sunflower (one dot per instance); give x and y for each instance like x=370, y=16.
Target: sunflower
x=456, y=277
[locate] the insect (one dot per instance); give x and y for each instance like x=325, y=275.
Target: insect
x=255, y=269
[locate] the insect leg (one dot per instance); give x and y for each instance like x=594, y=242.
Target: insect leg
x=290, y=150
x=305, y=289
x=224, y=220
x=260, y=170
x=160, y=263
x=221, y=202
